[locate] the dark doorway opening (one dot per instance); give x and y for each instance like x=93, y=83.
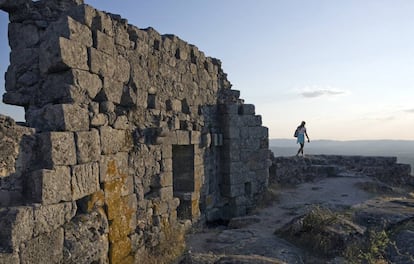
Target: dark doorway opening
x=183, y=178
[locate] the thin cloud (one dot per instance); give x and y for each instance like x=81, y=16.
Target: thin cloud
x=410, y=111
x=318, y=92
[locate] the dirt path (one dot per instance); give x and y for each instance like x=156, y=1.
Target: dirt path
x=254, y=234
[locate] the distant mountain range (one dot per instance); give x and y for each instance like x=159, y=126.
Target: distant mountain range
x=402, y=149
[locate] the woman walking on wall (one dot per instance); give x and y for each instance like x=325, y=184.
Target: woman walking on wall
x=301, y=133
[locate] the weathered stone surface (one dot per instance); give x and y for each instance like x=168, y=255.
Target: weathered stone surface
x=71, y=86
x=288, y=169
x=86, y=239
x=47, y=248
x=104, y=23
x=84, y=14
x=60, y=54
x=23, y=36
x=59, y=117
x=9, y=258
x=113, y=166
x=49, y=217
x=102, y=63
x=112, y=140
x=104, y=43
x=50, y=186
x=120, y=250
x=10, y=5
x=56, y=148
x=384, y=213
x=88, y=146
x=112, y=91
x=71, y=29
x=10, y=139
x=16, y=226
x=85, y=179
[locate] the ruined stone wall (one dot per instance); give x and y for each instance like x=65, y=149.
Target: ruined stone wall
x=135, y=132
x=294, y=170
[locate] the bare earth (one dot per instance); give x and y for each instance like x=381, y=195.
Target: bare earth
x=254, y=234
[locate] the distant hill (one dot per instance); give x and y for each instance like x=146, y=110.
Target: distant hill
x=402, y=149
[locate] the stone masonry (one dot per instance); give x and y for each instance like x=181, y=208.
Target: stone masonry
x=295, y=170
x=128, y=132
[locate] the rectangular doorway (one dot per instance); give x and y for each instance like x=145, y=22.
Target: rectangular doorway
x=183, y=178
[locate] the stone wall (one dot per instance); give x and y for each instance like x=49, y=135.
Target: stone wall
x=131, y=132
x=294, y=170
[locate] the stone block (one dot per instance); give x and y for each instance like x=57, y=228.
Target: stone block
x=166, y=165
x=16, y=226
x=113, y=166
x=127, y=187
x=118, y=206
x=173, y=105
x=230, y=179
x=233, y=168
x=231, y=211
x=85, y=14
x=195, y=137
x=231, y=132
x=47, y=248
x=183, y=137
x=103, y=23
x=104, y=43
x=232, y=190
x=231, y=151
x=121, y=122
x=59, y=117
x=164, y=179
x=99, y=120
x=88, y=146
x=102, y=63
x=112, y=140
x=9, y=258
x=122, y=226
x=23, y=35
x=166, y=151
x=247, y=109
x=49, y=217
x=50, y=186
x=86, y=239
x=60, y=54
x=112, y=91
x=122, y=70
x=252, y=121
x=259, y=132
x=22, y=60
x=70, y=86
x=85, y=179
x=165, y=193
x=228, y=109
x=56, y=148
x=71, y=29
x=160, y=207
x=119, y=250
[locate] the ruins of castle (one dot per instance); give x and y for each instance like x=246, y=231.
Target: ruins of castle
x=127, y=132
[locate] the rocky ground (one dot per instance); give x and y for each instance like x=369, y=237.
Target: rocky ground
x=361, y=204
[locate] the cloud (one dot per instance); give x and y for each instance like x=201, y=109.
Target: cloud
x=410, y=111
x=313, y=92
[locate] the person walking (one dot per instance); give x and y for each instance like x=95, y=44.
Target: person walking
x=301, y=133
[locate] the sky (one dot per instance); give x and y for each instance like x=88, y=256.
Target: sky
x=344, y=67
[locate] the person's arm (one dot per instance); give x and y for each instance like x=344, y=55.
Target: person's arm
x=306, y=133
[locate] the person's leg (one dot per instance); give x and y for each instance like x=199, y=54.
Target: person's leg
x=300, y=149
